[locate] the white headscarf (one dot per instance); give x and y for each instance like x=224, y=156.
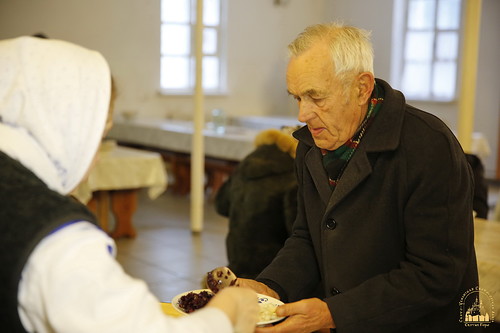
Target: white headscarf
x=54, y=102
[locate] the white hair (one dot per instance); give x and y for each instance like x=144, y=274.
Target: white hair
x=350, y=47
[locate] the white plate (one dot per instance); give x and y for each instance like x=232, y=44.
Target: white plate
x=263, y=300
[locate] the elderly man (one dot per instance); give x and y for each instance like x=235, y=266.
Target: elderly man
x=384, y=228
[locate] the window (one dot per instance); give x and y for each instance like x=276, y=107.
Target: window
x=426, y=42
x=177, y=63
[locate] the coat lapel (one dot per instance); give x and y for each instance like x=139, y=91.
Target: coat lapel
x=314, y=163
x=383, y=135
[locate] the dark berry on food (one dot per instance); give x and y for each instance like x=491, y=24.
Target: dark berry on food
x=193, y=301
x=212, y=282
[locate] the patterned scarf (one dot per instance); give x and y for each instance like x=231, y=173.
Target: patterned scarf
x=336, y=161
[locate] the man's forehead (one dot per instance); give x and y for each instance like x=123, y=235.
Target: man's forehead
x=309, y=79
x=311, y=62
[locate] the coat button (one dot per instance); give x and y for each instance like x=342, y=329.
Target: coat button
x=331, y=224
x=334, y=291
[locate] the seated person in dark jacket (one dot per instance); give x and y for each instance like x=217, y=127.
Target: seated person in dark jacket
x=480, y=201
x=257, y=202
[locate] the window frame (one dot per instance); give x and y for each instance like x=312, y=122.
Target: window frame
x=399, y=38
x=220, y=53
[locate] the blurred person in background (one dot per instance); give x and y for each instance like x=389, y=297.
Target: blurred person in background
x=260, y=200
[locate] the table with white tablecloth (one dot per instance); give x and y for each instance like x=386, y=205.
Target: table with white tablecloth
x=480, y=146
x=176, y=135
x=114, y=181
x=173, y=139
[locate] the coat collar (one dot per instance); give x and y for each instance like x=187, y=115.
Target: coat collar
x=383, y=135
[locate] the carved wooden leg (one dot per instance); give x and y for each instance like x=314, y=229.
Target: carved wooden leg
x=123, y=206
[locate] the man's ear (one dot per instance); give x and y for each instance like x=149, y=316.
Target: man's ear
x=366, y=82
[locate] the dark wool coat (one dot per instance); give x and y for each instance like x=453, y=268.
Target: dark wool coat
x=393, y=245
x=256, y=201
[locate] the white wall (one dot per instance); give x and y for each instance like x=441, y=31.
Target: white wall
x=127, y=33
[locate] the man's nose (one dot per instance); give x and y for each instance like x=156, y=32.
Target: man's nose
x=305, y=112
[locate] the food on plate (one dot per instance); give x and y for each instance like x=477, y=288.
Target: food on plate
x=190, y=301
x=267, y=312
x=219, y=278
x=194, y=300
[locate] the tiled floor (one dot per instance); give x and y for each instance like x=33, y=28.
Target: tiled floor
x=166, y=254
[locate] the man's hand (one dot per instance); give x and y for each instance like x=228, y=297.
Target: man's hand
x=257, y=287
x=305, y=316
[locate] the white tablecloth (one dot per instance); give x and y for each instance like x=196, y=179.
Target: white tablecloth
x=176, y=135
x=121, y=168
x=480, y=146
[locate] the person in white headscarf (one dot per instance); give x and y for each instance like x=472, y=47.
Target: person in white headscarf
x=58, y=270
